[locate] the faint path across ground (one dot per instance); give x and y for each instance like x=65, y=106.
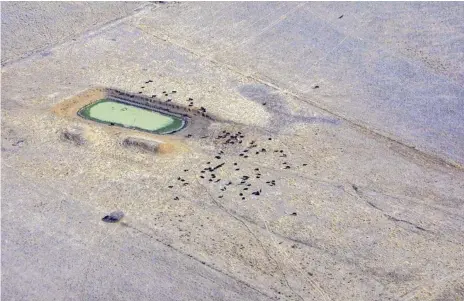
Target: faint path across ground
x=28, y=27
x=352, y=215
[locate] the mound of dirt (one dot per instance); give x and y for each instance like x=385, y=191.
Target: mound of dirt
x=73, y=135
x=147, y=145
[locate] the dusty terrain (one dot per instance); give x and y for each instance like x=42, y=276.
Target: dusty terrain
x=349, y=196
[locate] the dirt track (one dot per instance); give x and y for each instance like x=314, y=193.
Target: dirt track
x=336, y=206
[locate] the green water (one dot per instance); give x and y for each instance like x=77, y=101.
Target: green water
x=113, y=112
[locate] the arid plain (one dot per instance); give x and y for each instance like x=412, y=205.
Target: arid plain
x=333, y=168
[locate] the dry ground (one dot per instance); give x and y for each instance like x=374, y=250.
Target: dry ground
x=356, y=216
